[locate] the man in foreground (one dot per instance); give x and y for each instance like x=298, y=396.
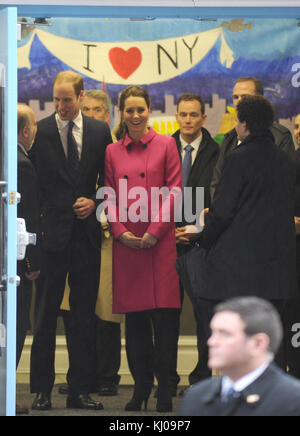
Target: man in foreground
x=246, y=334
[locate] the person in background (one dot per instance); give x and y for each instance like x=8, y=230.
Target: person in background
x=145, y=284
x=96, y=104
x=68, y=154
x=292, y=313
x=245, y=336
x=247, y=246
x=28, y=209
x=282, y=136
x=198, y=172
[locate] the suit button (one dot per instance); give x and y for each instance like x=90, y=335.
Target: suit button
x=142, y=175
x=125, y=177
x=145, y=146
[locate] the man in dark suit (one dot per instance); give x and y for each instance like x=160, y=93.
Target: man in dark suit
x=28, y=208
x=282, y=136
x=292, y=313
x=69, y=154
x=247, y=246
x=191, y=118
x=246, y=333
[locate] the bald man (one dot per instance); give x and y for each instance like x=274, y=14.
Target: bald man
x=28, y=269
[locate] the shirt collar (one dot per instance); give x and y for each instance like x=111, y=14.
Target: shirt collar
x=62, y=124
x=195, y=144
x=144, y=140
x=22, y=148
x=243, y=382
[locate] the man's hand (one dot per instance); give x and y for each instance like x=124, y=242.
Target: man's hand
x=129, y=240
x=186, y=235
x=32, y=275
x=297, y=224
x=202, y=217
x=84, y=207
x=148, y=241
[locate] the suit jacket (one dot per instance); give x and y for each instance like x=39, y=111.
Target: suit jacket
x=247, y=246
x=282, y=138
x=28, y=209
x=58, y=192
x=274, y=393
x=203, y=166
x=297, y=212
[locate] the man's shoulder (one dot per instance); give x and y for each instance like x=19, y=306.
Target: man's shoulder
x=95, y=124
x=213, y=145
x=45, y=122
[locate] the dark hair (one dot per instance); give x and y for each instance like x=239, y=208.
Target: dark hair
x=70, y=76
x=258, y=85
x=257, y=112
x=131, y=91
x=259, y=316
x=190, y=97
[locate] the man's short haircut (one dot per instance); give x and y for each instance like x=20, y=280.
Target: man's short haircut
x=99, y=95
x=259, y=316
x=71, y=77
x=257, y=112
x=190, y=97
x=258, y=85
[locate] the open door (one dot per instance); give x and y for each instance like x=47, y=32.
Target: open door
x=8, y=209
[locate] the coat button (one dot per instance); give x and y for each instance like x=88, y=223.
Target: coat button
x=145, y=146
x=125, y=177
x=142, y=175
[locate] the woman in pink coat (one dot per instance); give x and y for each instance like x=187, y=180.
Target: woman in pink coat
x=145, y=282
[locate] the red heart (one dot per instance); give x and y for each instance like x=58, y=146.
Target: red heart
x=125, y=63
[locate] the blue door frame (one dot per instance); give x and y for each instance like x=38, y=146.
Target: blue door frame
x=8, y=58
x=10, y=107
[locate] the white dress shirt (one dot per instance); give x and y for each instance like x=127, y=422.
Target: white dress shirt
x=243, y=382
x=195, y=144
x=63, y=127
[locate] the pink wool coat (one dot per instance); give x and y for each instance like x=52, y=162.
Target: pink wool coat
x=143, y=279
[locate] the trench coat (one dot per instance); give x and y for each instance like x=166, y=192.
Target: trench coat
x=143, y=279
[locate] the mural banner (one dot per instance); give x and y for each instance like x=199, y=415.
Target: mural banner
x=141, y=62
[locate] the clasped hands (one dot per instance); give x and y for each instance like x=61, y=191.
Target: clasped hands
x=129, y=240
x=187, y=234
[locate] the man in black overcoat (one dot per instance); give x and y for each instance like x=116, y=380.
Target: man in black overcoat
x=247, y=246
x=191, y=118
x=28, y=209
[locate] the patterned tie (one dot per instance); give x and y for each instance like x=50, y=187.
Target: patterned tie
x=187, y=164
x=73, y=158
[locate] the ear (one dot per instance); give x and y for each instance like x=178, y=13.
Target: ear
x=261, y=342
x=81, y=95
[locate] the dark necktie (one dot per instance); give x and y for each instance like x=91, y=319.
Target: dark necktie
x=73, y=158
x=187, y=164
x=232, y=393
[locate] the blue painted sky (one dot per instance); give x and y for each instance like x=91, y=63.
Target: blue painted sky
x=260, y=42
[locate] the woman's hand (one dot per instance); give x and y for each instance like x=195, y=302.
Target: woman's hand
x=148, y=241
x=129, y=240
